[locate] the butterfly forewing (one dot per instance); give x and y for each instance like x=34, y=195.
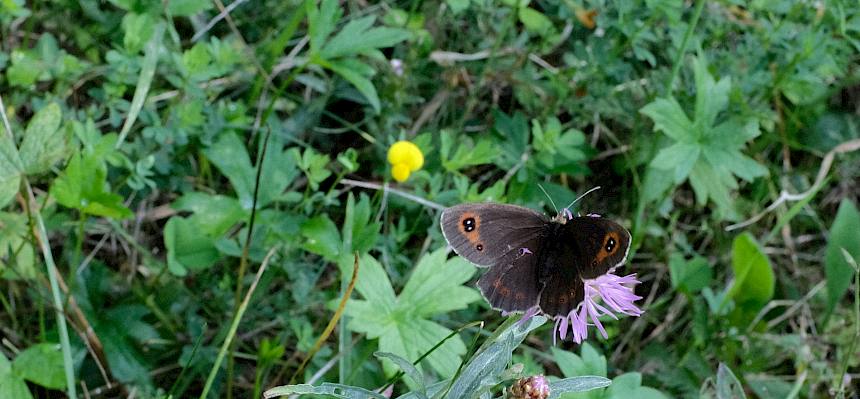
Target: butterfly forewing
x=485, y=234
x=598, y=244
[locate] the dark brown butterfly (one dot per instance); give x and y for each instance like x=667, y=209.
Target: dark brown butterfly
x=534, y=260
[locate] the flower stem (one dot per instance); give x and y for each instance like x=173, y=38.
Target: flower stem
x=700, y=4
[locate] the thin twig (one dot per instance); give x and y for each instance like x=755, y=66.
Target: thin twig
x=848, y=146
x=376, y=186
x=221, y=15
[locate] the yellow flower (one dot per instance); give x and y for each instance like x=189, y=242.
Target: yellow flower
x=405, y=158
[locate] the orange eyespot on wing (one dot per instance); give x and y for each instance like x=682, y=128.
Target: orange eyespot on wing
x=611, y=243
x=469, y=225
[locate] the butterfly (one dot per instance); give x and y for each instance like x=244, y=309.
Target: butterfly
x=534, y=260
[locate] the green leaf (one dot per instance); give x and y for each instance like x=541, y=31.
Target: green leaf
x=10, y=170
x=322, y=21
x=535, y=21
x=711, y=97
x=219, y=212
x=326, y=388
x=843, y=235
x=187, y=8
x=359, y=233
x=706, y=153
x=196, y=62
x=138, y=29
x=321, y=237
x=41, y=364
x=401, y=323
x=313, y=164
x=43, y=143
x=11, y=385
x=483, y=152
x=669, y=117
x=187, y=248
x=754, y=282
x=17, y=255
x=483, y=370
x=357, y=37
x=589, y=363
x=680, y=157
x=409, y=369
x=83, y=186
x=347, y=70
x=25, y=70
x=689, y=276
x=458, y=6
x=728, y=386
x=436, y=285
x=577, y=384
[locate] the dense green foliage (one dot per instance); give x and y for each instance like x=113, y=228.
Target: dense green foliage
x=140, y=138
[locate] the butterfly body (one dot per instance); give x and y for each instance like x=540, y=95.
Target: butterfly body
x=533, y=260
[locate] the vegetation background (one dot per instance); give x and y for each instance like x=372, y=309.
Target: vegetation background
x=723, y=135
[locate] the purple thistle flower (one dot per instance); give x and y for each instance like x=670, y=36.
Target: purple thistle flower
x=615, y=292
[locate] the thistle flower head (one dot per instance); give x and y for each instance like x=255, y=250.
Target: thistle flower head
x=534, y=387
x=606, y=295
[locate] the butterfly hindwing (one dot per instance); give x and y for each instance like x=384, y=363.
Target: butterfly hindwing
x=514, y=285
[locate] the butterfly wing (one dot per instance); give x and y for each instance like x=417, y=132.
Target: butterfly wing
x=491, y=234
x=582, y=248
x=562, y=292
x=599, y=244
x=513, y=285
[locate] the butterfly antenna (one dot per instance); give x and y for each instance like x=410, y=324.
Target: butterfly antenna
x=550, y=198
x=583, y=195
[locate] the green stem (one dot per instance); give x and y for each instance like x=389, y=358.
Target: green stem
x=234, y=325
x=700, y=4
x=42, y=237
x=68, y=365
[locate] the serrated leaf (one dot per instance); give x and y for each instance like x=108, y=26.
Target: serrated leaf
x=669, y=117
x=321, y=21
x=364, y=86
x=400, y=328
x=843, y=236
x=357, y=37
x=83, y=186
x=711, y=97
x=436, y=285
x=43, y=143
x=41, y=364
x=138, y=29
x=754, y=281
